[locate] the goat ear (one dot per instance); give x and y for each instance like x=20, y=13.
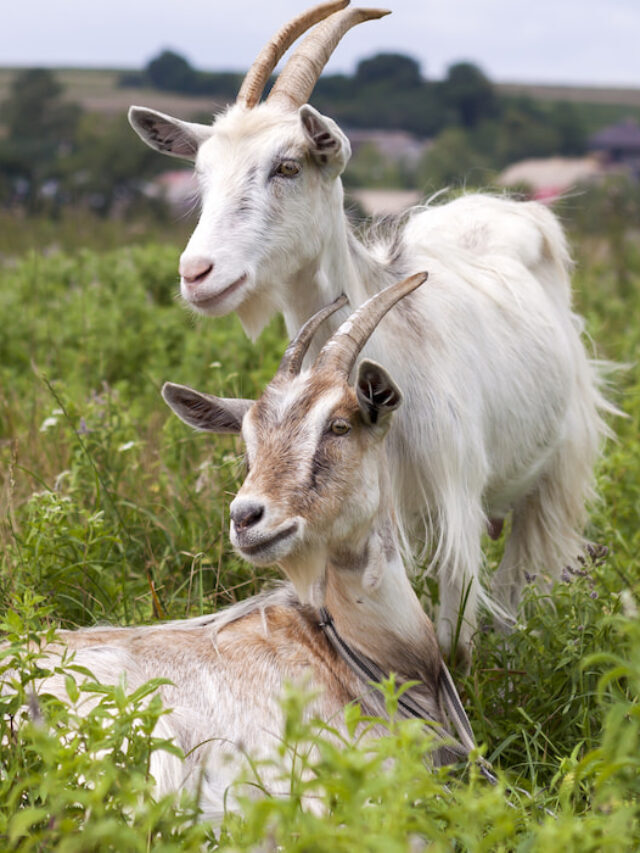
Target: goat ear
x=202, y=411
x=328, y=144
x=166, y=134
x=377, y=393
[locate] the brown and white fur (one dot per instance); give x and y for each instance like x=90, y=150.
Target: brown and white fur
x=504, y=404
x=317, y=501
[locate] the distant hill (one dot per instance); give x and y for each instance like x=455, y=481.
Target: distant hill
x=596, y=106
x=578, y=94
x=97, y=90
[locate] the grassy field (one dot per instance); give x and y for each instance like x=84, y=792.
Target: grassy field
x=20, y=234
x=111, y=510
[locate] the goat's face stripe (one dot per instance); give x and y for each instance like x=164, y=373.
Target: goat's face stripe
x=300, y=469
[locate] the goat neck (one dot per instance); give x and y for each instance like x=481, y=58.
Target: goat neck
x=342, y=265
x=372, y=603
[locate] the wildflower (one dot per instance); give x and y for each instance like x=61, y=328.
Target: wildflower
x=52, y=420
x=629, y=604
x=59, y=480
x=47, y=423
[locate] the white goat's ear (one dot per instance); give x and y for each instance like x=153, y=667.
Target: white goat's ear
x=377, y=393
x=167, y=134
x=202, y=411
x=328, y=144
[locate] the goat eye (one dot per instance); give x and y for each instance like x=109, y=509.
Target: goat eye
x=288, y=169
x=340, y=427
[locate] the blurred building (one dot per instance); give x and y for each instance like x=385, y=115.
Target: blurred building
x=396, y=145
x=384, y=202
x=550, y=177
x=178, y=188
x=618, y=146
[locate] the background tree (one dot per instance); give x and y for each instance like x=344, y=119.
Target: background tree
x=570, y=126
x=369, y=168
x=452, y=161
x=386, y=92
x=39, y=134
x=171, y=72
x=392, y=69
x=468, y=95
x=109, y=169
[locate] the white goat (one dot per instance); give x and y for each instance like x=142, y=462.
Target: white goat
x=317, y=501
x=504, y=403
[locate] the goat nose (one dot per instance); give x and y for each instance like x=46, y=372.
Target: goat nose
x=246, y=515
x=194, y=268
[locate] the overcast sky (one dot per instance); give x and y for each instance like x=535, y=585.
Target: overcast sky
x=566, y=41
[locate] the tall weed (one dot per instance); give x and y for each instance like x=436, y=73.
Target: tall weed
x=111, y=511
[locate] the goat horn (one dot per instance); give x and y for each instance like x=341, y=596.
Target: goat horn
x=294, y=354
x=257, y=76
x=342, y=349
x=295, y=84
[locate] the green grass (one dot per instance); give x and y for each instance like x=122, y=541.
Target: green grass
x=112, y=511
x=20, y=233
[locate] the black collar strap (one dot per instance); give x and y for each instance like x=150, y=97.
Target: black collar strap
x=410, y=705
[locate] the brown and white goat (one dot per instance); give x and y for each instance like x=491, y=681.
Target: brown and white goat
x=316, y=501
x=504, y=407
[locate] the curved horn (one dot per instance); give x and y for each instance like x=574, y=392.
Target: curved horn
x=297, y=79
x=342, y=349
x=257, y=76
x=294, y=354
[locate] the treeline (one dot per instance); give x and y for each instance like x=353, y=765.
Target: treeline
x=54, y=154
x=170, y=72
x=389, y=92
x=386, y=91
